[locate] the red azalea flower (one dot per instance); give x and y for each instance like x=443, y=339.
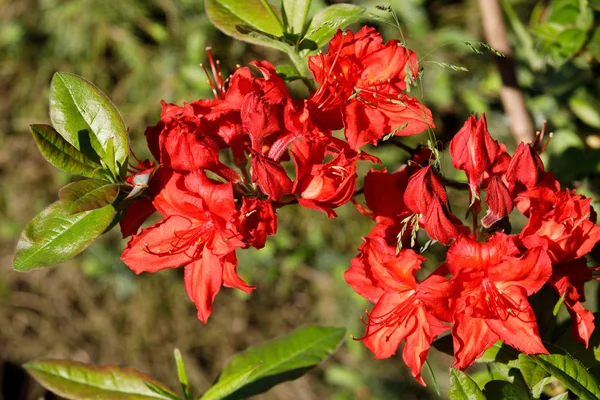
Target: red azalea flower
x=179, y=142
x=324, y=186
x=197, y=233
x=485, y=162
x=362, y=84
x=400, y=313
x=492, y=284
x=559, y=222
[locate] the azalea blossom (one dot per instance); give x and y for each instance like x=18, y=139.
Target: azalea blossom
x=362, y=85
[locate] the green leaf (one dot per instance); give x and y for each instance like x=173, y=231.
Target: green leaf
x=74, y=380
x=86, y=195
x=182, y=374
x=571, y=373
x=586, y=107
x=501, y=390
x=532, y=373
x=53, y=236
x=562, y=396
x=570, y=41
x=226, y=14
x=87, y=119
x=295, y=12
x=262, y=38
x=61, y=153
x=593, y=45
x=230, y=384
x=282, y=359
x=463, y=388
x=327, y=21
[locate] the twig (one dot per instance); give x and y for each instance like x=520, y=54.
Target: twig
x=398, y=143
x=511, y=95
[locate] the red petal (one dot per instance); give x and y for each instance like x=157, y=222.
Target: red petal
x=520, y=329
x=530, y=272
x=471, y=337
x=230, y=275
x=203, y=279
x=438, y=225
x=271, y=177
x=498, y=200
x=155, y=248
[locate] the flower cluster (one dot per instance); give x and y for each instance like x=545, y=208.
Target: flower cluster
x=220, y=172
x=480, y=292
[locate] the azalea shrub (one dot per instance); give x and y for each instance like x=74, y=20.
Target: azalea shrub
x=222, y=167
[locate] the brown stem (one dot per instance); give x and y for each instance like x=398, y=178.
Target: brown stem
x=398, y=143
x=511, y=95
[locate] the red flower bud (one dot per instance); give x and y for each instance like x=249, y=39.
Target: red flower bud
x=473, y=150
x=438, y=223
x=498, y=200
x=525, y=169
x=271, y=177
x=423, y=187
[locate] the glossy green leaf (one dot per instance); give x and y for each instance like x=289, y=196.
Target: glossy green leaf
x=53, y=236
x=61, y=153
x=533, y=373
x=503, y=390
x=571, y=373
x=463, y=388
x=86, y=118
x=86, y=195
x=226, y=14
x=295, y=12
x=327, y=21
x=282, y=359
x=230, y=384
x=256, y=36
x=74, y=380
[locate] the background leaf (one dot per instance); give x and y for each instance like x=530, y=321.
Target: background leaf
x=282, y=359
x=86, y=195
x=570, y=372
x=532, y=372
x=61, y=153
x=327, y=21
x=86, y=118
x=74, y=380
x=501, y=390
x=463, y=388
x=53, y=236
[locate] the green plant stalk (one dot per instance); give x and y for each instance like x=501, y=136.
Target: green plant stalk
x=301, y=68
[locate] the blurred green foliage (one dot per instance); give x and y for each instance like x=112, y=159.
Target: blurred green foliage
x=139, y=52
